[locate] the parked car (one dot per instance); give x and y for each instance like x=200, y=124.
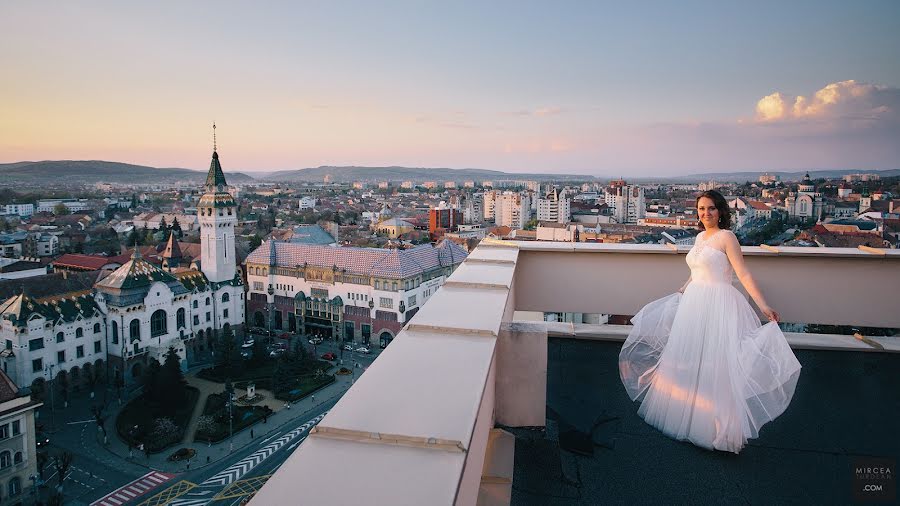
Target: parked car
x=348, y=347
x=249, y=343
x=41, y=440
x=277, y=352
x=316, y=340
x=362, y=349
x=329, y=356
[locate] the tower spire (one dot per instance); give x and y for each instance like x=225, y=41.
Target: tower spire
x=214, y=136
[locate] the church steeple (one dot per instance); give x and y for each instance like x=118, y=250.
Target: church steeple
x=215, y=178
x=217, y=215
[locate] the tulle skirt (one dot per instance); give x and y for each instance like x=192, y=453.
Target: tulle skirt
x=705, y=369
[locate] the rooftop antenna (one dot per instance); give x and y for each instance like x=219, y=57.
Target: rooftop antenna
x=214, y=136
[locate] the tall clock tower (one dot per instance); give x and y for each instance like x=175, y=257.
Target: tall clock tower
x=217, y=215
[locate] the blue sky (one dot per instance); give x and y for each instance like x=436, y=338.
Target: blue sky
x=580, y=87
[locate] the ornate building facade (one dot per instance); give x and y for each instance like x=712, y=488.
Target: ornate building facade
x=137, y=312
x=362, y=295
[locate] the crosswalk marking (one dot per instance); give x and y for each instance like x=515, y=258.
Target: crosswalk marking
x=134, y=489
x=234, y=473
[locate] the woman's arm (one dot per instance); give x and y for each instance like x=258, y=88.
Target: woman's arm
x=686, y=283
x=736, y=257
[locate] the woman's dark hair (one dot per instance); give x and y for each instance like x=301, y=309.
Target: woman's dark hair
x=721, y=204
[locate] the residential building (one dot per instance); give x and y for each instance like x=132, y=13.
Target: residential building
x=489, y=201
x=627, y=202
x=18, y=268
x=307, y=203
x=350, y=294
x=18, y=452
x=512, y=209
x=73, y=205
x=555, y=206
x=21, y=210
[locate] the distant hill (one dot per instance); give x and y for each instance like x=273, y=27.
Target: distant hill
x=98, y=171
x=740, y=177
x=350, y=174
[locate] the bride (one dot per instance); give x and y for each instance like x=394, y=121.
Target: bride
x=703, y=366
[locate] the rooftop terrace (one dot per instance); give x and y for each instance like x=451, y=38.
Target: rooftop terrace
x=471, y=404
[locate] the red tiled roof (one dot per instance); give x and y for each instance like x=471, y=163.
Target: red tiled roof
x=370, y=261
x=86, y=262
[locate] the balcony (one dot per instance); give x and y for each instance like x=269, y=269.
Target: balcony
x=472, y=404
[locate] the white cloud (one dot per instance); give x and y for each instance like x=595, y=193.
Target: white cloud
x=845, y=100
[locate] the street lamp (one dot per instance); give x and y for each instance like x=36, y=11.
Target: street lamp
x=229, y=391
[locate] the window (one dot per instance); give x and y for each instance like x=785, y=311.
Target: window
x=225, y=297
x=60, y=337
x=60, y=356
x=179, y=318
x=158, y=323
x=4, y=432
x=207, y=301
x=37, y=365
x=9, y=344
x=207, y=316
x=79, y=352
x=386, y=302
x=406, y=285
x=258, y=286
x=17, y=459
x=134, y=330
x=196, y=304
x=15, y=486
x=16, y=427
x=35, y=344
x=225, y=313
x=5, y=458
x=377, y=285
x=394, y=286
x=412, y=301
x=79, y=332
x=115, y=336
x=196, y=320
x=96, y=346
x=96, y=328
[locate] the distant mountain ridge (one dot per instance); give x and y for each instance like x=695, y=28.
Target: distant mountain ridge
x=395, y=173
x=99, y=171
x=740, y=177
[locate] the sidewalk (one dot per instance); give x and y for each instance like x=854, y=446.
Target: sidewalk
x=87, y=437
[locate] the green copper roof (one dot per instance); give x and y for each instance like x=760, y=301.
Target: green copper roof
x=215, y=178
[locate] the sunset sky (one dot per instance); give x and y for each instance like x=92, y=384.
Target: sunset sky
x=576, y=87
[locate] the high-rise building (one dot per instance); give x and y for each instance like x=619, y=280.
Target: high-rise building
x=555, y=207
x=627, y=202
x=512, y=209
x=443, y=219
x=489, y=199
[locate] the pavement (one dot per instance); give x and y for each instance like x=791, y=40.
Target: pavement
x=101, y=466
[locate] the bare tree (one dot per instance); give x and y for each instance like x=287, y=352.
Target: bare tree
x=61, y=463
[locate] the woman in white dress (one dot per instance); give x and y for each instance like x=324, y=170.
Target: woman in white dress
x=703, y=366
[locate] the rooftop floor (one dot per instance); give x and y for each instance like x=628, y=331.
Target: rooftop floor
x=846, y=404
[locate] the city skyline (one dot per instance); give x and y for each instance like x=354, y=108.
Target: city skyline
x=595, y=89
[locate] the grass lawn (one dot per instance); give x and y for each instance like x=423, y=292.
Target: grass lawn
x=142, y=414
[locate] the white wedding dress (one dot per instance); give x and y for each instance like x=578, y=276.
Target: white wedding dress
x=702, y=365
